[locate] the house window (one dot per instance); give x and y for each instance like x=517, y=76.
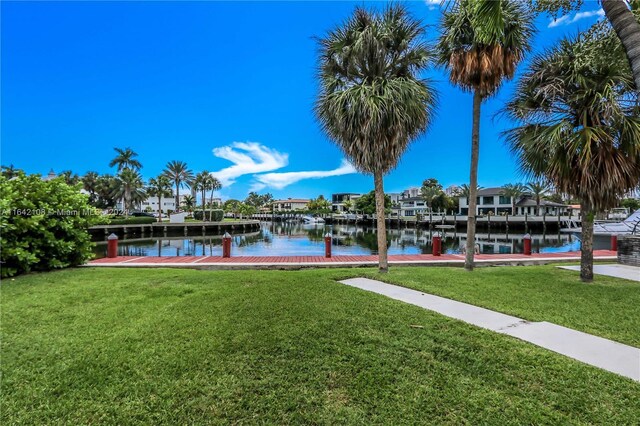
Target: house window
x=504, y=200
x=487, y=200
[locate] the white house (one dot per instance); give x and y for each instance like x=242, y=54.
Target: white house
x=411, y=192
x=491, y=200
x=290, y=204
x=413, y=206
x=338, y=200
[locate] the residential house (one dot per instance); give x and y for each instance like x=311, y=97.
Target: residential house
x=492, y=200
x=152, y=204
x=412, y=207
x=290, y=204
x=337, y=200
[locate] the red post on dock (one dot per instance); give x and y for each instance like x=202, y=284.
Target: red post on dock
x=614, y=242
x=527, y=244
x=112, y=246
x=226, y=245
x=327, y=245
x=437, y=244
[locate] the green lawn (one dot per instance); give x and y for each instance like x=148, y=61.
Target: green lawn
x=190, y=347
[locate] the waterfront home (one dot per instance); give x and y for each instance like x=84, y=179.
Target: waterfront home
x=290, y=204
x=527, y=205
x=412, y=207
x=338, y=200
x=492, y=200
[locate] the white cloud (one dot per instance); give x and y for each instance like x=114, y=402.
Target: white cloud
x=567, y=20
x=281, y=180
x=433, y=4
x=247, y=158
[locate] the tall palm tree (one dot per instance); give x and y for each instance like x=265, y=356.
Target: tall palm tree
x=627, y=28
x=214, y=185
x=579, y=126
x=202, y=182
x=90, y=184
x=482, y=41
x=465, y=191
x=129, y=188
x=180, y=175
x=372, y=102
x=538, y=190
x=515, y=191
x=125, y=159
x=159, y=187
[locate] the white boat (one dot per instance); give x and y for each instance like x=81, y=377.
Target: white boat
x=311, y=219
x=630, y=225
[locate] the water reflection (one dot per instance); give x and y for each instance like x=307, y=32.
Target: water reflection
x=295, y=239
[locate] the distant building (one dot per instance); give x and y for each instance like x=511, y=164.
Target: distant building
x=50, y=176
x=152, y=204
x=337, y=200
x=491, y=200
x=452, y=190
x=290, y=204
x=411, y=192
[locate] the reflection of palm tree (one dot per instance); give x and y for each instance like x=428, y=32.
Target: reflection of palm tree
x=482, y=42
x=372, y=101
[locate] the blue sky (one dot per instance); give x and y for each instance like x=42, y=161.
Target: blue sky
x=226, y=87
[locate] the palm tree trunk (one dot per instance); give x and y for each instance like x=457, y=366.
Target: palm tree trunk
x=160, y=207
x=473, y=183
x=177, y=209
x=204, y=199
x=211, y=206
x=383, y=265
x=586, y=249
x=627, y=28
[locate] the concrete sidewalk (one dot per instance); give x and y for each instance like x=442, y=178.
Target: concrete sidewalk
x=593, y=350
x=619, y=271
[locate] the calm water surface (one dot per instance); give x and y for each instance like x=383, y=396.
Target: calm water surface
x=294, y=239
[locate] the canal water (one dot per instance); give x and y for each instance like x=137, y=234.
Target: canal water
x=295, y=239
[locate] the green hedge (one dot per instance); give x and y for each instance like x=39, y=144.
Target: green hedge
x=43, y=225
x=139, y=220
x=216, y=215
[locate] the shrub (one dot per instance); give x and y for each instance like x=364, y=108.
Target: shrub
x=216, y=215
x=43, y=224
